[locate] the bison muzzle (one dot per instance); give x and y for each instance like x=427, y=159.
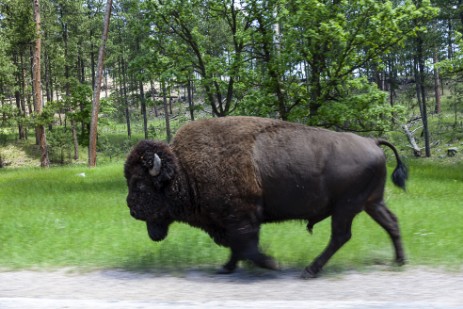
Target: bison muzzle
x=229, y=175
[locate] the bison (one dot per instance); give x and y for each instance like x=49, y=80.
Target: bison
x=229, y=175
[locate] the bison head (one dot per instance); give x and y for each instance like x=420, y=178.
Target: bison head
x=149, y=170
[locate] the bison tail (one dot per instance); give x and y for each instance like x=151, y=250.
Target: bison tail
x=400, y=173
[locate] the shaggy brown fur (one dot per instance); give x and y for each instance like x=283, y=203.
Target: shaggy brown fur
x=229, y=175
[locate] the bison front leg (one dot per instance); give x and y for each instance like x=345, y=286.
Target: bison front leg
x=230, y=266
x=244, y=245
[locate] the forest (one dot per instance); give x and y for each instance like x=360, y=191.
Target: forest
x=378, y=68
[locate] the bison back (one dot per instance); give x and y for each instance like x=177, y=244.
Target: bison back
x=289, y=170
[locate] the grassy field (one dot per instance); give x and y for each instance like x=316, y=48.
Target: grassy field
x=77, y=217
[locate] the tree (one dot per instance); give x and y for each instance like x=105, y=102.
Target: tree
x=97, y=89
x=339, y=40
x=209, y=38
x=18, y=29
x=40, y=129
x=272, y=59
x=6, y=79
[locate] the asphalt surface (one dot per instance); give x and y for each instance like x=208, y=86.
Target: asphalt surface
x=377, y=289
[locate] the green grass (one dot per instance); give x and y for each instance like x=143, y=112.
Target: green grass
x=55, y=218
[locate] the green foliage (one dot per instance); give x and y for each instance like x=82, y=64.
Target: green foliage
x=59, y=144
x=80, y=103
x=321, y=48
x=18, y=22
x=10, y=112
x=3, y=136
x=113, y=148
x=257, y=103
x=214, y=49
x=47, y=115
x=337, y=39
x=6, y=67
x=363, y=108
x=107, y=109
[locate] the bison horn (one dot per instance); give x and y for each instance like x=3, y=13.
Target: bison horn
x=156, y=169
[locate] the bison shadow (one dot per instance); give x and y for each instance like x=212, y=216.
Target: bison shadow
x=145, y=265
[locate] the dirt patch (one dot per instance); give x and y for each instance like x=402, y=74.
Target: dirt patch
x=16, y=156
x=411, y=288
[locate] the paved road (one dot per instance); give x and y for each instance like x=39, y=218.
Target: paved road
x=378, y=289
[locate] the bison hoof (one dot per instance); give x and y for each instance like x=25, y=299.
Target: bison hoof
x=308, y=274
x=270, y=263
x=400, y=261
x=225, y=271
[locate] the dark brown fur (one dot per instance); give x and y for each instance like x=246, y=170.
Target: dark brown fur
x=227, y=176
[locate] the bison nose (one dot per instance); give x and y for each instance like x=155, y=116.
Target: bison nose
x=139, y=215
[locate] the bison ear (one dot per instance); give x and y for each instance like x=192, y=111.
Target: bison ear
x=167, y=170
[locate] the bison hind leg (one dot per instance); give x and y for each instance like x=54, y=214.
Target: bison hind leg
x=341, y=225
x=388, y=221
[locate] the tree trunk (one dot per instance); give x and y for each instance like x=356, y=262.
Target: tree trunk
x=21, y=134
x=106, y=86
x=417, y=84
x=48, y=92
x=124, y=96
x=421, y=85
x=437, y=86
x=143, y=110
x=315, y=87
x=191, y=104
x=392, y=80
x=449, y=40
x=411, y=139
x=460, y=4
x=2, y=100
x=67, y=85
x=166, y=112
x=92, y=62
x=23, y=92
x=74, y=139
x=17, y=96
x=97, y=89
x=40, y=129
x=153, y=96
x=31, y=107
x=81, y=76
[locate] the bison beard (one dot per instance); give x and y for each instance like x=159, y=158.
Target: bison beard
x=227, y=176
x=157, y=232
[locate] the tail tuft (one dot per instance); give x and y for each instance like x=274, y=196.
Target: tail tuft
x=400, y=175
